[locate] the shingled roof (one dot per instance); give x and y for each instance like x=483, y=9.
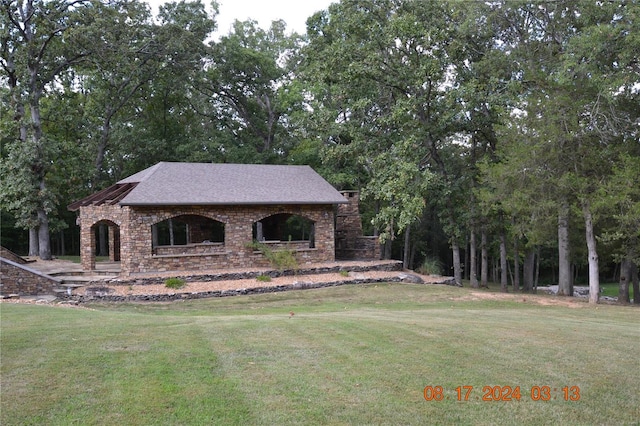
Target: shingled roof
x=220, y=184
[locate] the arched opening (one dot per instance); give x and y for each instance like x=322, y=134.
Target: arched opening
x=187, y=230
x=107, y=240
x=285, y=227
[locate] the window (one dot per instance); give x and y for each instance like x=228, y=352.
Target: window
x=284, y=227
x=187, y=229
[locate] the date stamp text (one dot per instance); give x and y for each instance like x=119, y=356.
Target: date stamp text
x=503, y=393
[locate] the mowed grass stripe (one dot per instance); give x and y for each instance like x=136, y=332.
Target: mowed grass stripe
x=481, y=351
x=101, y=368
x=357, y=355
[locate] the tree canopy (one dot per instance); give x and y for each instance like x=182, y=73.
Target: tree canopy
x=508, y=127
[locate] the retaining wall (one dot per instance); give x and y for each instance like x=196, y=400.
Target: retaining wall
x=24, y=281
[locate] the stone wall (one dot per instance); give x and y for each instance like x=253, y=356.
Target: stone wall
x=350, y=242
x=136, y=239
x=24, y=281
x=358, y=248
x=103, y=293
x=8, y=254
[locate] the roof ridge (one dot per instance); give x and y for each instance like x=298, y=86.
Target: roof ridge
x=152, y=170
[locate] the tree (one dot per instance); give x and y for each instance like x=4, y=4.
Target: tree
x=384, y=67
x=243, y=91
x=128, y=58
x=37, y=48
x=568, y=122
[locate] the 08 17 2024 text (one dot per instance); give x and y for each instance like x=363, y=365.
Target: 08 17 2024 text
x=503, y=393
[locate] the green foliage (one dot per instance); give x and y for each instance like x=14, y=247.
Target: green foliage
x=281, y=259
x=247, y=91
x=612, y=290
x=430, y=266
x=175, y=283
x=263, y=278
x=381, y=130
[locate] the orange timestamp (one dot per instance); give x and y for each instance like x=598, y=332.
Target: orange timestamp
x=503, y=393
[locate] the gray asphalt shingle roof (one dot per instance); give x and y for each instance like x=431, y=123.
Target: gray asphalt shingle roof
x=228, y=184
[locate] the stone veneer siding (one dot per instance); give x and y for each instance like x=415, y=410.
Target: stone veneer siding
x=350, y=242
x=24, y=281
x=136, y=249
x=8, y=254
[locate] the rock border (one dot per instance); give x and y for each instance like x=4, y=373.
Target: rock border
x=169, y=297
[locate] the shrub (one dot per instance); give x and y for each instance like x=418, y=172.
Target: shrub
x=280, y=259
x=344, y=273
x=174, y=283
x=263, y=278
x=430, y=266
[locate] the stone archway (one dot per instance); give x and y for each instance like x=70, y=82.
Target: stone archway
x=102, y=237
x=107, y=236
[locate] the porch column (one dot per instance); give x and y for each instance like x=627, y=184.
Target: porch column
x=112, y=243
x=126, y=241
x=87, y=248
x=259, y=233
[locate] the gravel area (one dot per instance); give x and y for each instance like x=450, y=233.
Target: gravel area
x=206, y=286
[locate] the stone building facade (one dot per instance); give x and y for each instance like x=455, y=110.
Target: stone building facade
x=200, y=216
x=138, y=254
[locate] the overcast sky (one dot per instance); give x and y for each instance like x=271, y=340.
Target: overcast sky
x=293, y=12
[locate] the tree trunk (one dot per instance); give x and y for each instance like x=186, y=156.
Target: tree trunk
x=626, y=269
x=465, y=263
x=494, y=270
x=594, y=273
x=387, y=249
x=412, y=257
x=38, y=165
x=565, y=283
x=457, y=270
x=63, y=248
x=407, y=247
x=516, y=266
x=636, y=285
x=34, y=249
x=537, y=277
x=484, y=263
x=503, y=263
x=472, y=261
x=528, y=270
x=43, y=236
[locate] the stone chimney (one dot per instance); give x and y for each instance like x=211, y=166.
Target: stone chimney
x=350, y=243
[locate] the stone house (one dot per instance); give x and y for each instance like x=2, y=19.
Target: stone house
x=191, y=216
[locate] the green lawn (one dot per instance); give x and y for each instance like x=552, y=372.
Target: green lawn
x=612, y=290
x=360, y=354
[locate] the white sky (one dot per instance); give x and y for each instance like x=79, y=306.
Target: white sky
x=293, y=12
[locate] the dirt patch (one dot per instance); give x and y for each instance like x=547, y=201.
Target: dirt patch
x=544, y=300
